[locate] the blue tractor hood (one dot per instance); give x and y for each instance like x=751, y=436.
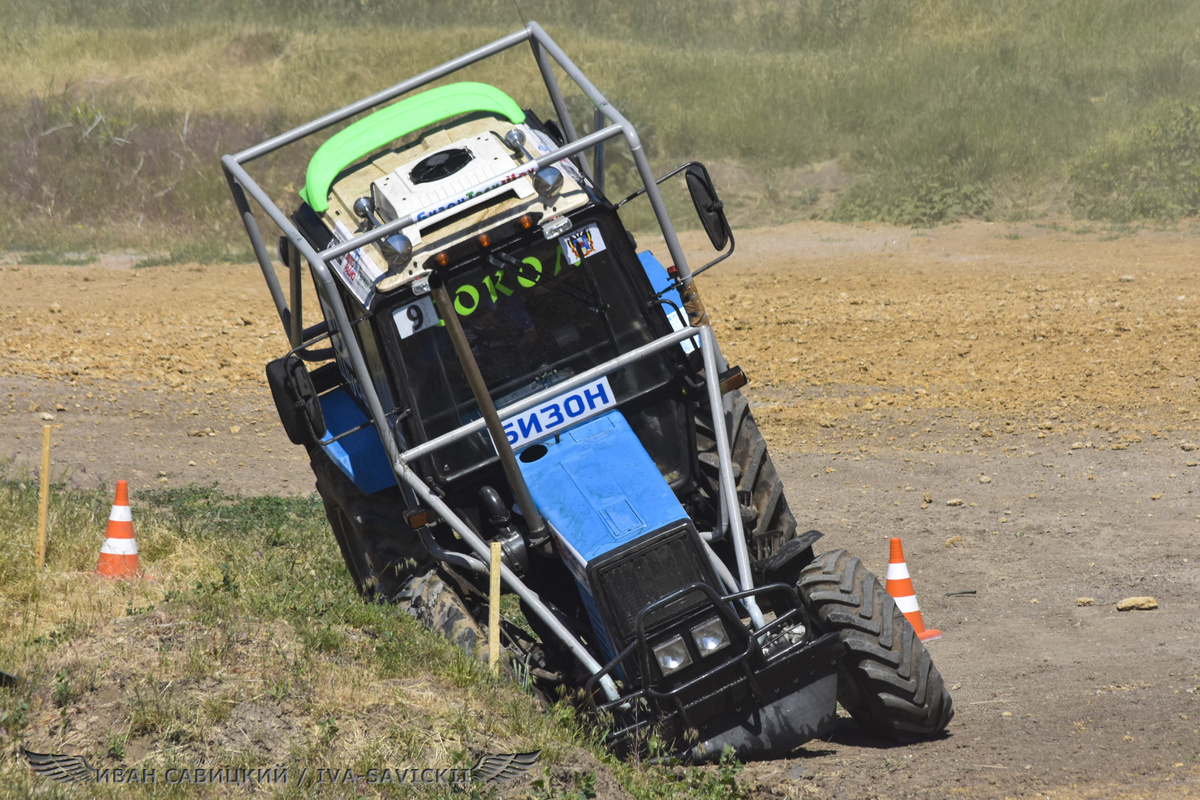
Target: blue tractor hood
x=599, y=490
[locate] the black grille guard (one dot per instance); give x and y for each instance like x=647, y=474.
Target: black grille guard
x=744, y=667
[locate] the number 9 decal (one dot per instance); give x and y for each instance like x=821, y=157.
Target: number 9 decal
x=416, y=316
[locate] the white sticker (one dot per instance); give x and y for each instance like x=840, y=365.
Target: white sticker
x=416, y=316
x=582, y=243
x=678, y=323
x=559, y=413
x=356, y=269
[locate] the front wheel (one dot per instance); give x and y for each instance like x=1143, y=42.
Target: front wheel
x=380, y=550
x=435, y=603
x=887, y=680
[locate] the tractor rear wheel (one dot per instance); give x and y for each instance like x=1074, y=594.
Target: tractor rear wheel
x=388, y=562
x=887, y=680
x=379, y=549
x=767, y=520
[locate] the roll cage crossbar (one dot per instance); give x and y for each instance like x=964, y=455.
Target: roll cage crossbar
x=547, y=54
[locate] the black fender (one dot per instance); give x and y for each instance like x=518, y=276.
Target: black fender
x=794, y=556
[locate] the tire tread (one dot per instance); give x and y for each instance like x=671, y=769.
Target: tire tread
x=888, y=681
x=768, y=520
x=435, y=604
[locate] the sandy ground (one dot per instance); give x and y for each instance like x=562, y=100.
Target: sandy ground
x=1018, y=402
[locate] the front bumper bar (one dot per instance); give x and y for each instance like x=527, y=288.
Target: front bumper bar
x=764, y=700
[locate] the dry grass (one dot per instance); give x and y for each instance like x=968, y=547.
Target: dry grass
x=930, y=111
x=245, y=646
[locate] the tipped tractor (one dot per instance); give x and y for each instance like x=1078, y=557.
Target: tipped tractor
x=480, y=353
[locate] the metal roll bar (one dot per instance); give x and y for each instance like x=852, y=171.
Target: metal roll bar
x=546, y=53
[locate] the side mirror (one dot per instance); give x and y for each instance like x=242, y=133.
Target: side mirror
x=709, y=207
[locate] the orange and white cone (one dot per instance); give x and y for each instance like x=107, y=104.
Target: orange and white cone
x=119, y=554
x=899, y=586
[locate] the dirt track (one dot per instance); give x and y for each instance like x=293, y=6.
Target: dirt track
x=1019, y=403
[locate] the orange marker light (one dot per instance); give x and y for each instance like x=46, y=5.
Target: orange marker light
x=441, y=259
x=526, y=221
x=484, y=240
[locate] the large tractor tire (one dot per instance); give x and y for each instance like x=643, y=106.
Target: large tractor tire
x=433, y=601
x=767, y=520
x=380, y=550
x=887, y=680
x=353, y=549
x=387, y=562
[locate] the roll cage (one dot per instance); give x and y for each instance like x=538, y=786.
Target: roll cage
x=354, y=357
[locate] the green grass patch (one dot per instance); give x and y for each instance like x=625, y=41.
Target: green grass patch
x=917, y=200
x=59, y=259
x=1154, y=175
x=250, y=648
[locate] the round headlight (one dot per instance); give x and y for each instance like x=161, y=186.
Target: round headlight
x=548, y=181
x=672, y=655
x=710, y=637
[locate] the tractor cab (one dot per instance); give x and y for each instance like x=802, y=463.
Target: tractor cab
x=543, y=278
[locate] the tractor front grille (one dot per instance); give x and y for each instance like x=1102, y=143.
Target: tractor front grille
x=631, y=578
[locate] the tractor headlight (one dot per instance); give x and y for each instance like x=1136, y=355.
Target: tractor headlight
x=672, y=655
x=710, y=637
x=557, y=227
x=397, y=251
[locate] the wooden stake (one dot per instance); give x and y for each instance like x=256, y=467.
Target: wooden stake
x=494, y=610
x=43, y=498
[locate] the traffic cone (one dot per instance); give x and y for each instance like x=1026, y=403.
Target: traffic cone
x=900, y=587
x=119, y=554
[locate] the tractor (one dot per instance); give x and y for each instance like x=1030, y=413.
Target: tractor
x=498, y=363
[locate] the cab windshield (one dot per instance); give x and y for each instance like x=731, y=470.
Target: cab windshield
x=535, y=314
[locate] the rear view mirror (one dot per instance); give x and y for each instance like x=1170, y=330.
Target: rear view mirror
x=709, y=207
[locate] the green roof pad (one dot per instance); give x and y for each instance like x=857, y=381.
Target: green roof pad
x=389, y=124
